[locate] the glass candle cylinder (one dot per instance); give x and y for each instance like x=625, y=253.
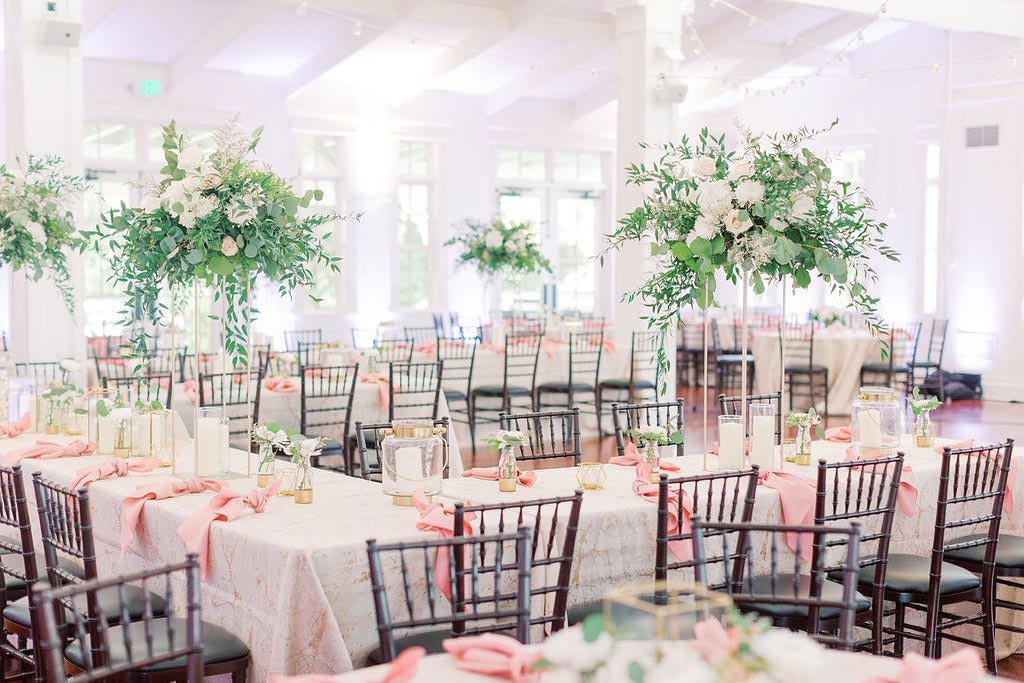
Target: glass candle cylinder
x=303, y=482
x=412, y=457
x=76, y=417
x=762, y=434
x=212, y=439
x=121, y=421
x=730, y=442
x=875, y=421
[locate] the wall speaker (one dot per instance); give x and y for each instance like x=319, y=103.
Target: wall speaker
x=61, y=31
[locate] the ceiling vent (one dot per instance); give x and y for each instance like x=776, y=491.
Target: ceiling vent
x=983, y=136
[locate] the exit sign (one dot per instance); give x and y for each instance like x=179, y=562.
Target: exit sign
x=149, y=87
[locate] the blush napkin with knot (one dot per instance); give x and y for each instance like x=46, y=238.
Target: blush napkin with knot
x=225, y=506
x=115, y=467
x=631, y=456
x=491, y=474
x=131, y=508
x=45, y=450
x=683, y=550
x=13, y=429
x=493, y=654
x=440, y=518
x=796, y=496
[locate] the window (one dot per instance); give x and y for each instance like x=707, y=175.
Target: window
x=114, y=141
x=320, y=168
x=102, y=302
x=523, y=293
x=577, y=244
x=579, y=167
x=848, y=165
x=521, y=164
x=413, y=240
x=930, y=270
x=319, y=155
x=413, y=158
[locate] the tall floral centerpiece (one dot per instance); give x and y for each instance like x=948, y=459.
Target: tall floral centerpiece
x=37, y=226
x=499, y=248
x=762, y=212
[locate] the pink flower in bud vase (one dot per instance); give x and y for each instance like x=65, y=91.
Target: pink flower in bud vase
x=714, y=642
x=228, y=246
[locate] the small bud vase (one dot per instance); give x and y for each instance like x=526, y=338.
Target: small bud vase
x=803, y=445
x=304, y=482
x=924, y=436
x=652, y=456
x=508, y=470
x=266, y=465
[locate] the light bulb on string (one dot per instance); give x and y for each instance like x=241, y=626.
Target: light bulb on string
x=300, y=9
x=696, y=50
x=752, y=20
x=1011, y=61
x=936, y=68
x=357, y=28
x=593, y=72
x=659, y=83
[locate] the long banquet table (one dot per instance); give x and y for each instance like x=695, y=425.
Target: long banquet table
x=293, y=581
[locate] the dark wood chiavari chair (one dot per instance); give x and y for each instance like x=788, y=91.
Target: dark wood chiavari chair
x=585, y=349
x=628, y=416
x=308, y=354
x=420, y=336
x=520, y=323
x=927, y=358
x=733, y=405
x=793, y=592
x=894, y=371
x=44, y=372
x=972, y=486
x=368, y=438
x=292, y=338
x=644, y=373
x=458, y=357
x=129, y=366
x=414, y=390
x=393, y=350
x=729, y=362
x=191, y=365
x=724, y=498
x=154, y=648
x=543, y=515
x=104, y=346
x=144, y=388
x=804, y=378
x=865, y=492
x=550, y=434
x=235, y=391
x=325, y=407
x=519, y=379
x=488, y=596
x=690, y=352
x=262, y=355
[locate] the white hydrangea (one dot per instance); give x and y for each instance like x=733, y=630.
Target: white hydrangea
x=749, y=192
x=675, y=661
x=714, y=198
x=803, y=206
x=241, y=210
x=493, y=239
x=36, y=230
x=740, y=169
x=705, y=166
x=567, y=649
x=190, y=158
x=790, y=656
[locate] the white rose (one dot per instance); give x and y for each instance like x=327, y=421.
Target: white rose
x=702, y=227
x=680, y=657
x=150, y=203
x=803, y=206
x=228, y=246
x=737, y=225
x=36, y=230
x=714, y=197
x=190, y=158
x=749, y=192
x=493, y=239
x=740, y=169
x=705, y=166
x=187, y=219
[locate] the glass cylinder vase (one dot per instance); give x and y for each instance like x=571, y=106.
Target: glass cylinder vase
x=122, y=419
x=508, y=469
x=762, y=434
x=413, y=456
x=652, y=456
x=924, y=436
x=52, y=415
x=875, y=422
x=266, y=465
x=304, y=482
x=803, y=445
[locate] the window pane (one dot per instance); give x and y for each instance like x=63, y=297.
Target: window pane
x=412, y=278
x=328, y=187
x=413, y=158
x=565, y=166
x=413, y=240
x=577, y=224
x=590, y=168
x=532, y=165
x=109, y=141
x=508, y=163
x=319, y=154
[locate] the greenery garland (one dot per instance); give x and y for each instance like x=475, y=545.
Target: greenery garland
x=500, y=248
x=218, y=218
x=37, y=225
x=770, y=210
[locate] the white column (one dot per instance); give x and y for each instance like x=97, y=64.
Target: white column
x=644, y=29
x=43, y=101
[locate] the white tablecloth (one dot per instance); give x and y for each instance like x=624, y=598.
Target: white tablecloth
x=293, y=581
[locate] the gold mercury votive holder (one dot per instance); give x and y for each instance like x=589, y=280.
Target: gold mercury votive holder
x=591, y=476
x=303, y=497
x=287, y=475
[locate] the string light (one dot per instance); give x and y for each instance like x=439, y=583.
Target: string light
x=357, y=28
x=300, y=9
x=936, y=67
x=1011, y=61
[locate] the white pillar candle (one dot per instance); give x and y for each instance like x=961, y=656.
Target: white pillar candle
x=142, y=434
x=407, y=473
x=225, y=448
x=209, y=436
x=762, y=440
x=868, y=422
x=730, y=445
x=106, y=428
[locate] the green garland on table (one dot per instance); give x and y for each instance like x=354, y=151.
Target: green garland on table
x=218, y=218
x=500, y=248
x=771, y=209
x=37, y=225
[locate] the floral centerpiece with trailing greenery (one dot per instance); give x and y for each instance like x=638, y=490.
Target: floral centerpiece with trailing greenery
x=827, y=316
x=500, y=248
x=218, y=218
x=37, y=226
x=768, y=210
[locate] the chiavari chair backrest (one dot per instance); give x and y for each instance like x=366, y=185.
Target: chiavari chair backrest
x=261, y=355
x=550, y=434
x=129, y=366
x=458, y=356
x=733, y=405
x=65, y=527
x=715, y=337
x=643, y=357
x=585, y=357
x=292, y=338
x=519, y=324
x=309, y=353
x=629, y=416
x=723, y=497
x=554, y=523
x=788, y=580
x=370, y=436
x=415, y=390
x=903, y=341
x=144, y=388
x=798, y=339
x=105, y=346
x=191, y=365
x=420, y=336
x=16, y=540
x=522, y=351
x=492, y=597
x=593, y=322
x=691, y=333
x=326, y=397
x=235, y=391
x=470, y=333
x=75, y=610
x=44, y=372
x=393, y=350
x=932, y=350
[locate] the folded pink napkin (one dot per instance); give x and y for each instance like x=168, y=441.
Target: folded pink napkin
x=225, y=506
x=631, y=456
x=383, y=387
x=44, y=450
x=281, y=385
x=115, y=467
x=191, y=389
x=683, y=550
x=608, y=345
x=492, y=654
x=906, y=497
x=131, y=508
x=842, y=434
x=313, y=372
x=963, y=666
x=796, y=496
x=491, y=474
x=13, y=429
x=1011, y=476
x=440, y=518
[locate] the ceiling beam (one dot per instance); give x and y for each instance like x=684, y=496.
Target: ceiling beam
x=595, y=98
x=215, y=37
x=94, y=12
x=571, y=57
x=999, y=17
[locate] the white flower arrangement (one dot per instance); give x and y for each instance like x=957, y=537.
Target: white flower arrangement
x=920, y=406
x=70, y=365
x=808, y=419
x=656, y=434
x=302, y=450
x=500, y=247
x=827, y=316
x=504, y=438
x=271, y=435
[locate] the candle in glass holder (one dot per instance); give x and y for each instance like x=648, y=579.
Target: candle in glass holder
x=106, y=431
x=730, y=442
x=870, y=428
x=209, y=434
x=762, y=434
x=408, y=471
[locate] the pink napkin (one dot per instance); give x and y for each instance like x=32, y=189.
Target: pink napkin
x=383, y=387
x=963, y=666
x=906, y=497
x=13, y=429
x=842, y=434
x=131, y=508
x=608, y=345
x=191, y=389
x=115, y=467
x=491, y=474
x=796, y=495
x=632, y=457
x=313, y=372
x=492, y=654
x=429, y=348
x=683, y=550
x=45, y=450
x=440, y=518
x=225, y=506
x=281, y=385
x=1011, y=476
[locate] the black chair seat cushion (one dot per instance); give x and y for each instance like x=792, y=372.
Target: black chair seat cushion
x=428, y=640
x=219, y=646
x=1009, y=551
x=924, y=364
x=762, y=585
x=496, y=390
x=908, y=574
x=454, y=396
x=17, y=611
x=883, y=368
x=623, y=384
x=563, y=388
x=805, y=369
x=580, y=612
